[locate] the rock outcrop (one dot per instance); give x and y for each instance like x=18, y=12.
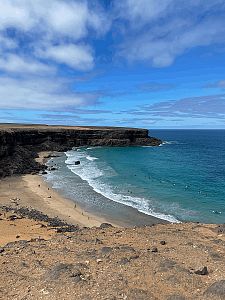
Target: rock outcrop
x=19, y=144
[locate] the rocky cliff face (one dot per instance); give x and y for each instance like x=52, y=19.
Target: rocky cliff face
x=19, y=145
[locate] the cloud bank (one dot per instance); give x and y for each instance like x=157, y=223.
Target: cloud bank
x=196, y=107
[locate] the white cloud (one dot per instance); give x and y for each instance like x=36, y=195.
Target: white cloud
x=159, y=31
x=69, y=18
x=75, y=56
x=14, y=13
x=36, y=37
x=15, y=64
x=38, y=26
x=43, y=94
x=212, y=106
x=142, y=11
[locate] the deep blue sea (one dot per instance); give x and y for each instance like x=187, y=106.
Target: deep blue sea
x=182, y=180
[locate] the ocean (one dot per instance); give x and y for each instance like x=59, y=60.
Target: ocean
x=182, y=180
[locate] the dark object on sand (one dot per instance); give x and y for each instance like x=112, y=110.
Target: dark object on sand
x=163, y=243
x=154, y=250
x=105, y=225
x=77, y=162
x=204, y=271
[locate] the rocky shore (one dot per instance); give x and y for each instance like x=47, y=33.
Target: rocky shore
x=19, y=144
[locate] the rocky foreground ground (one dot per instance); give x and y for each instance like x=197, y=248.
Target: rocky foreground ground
x=173, y=262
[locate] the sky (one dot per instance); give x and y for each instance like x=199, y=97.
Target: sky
x=137, y=63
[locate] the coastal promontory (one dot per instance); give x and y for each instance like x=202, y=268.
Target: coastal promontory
x=19, y=144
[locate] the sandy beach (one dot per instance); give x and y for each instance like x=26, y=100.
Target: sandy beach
x=32, y=191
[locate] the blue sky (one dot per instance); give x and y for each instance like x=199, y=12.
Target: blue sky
x=140, y=63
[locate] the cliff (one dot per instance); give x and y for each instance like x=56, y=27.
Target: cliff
x=19, y=144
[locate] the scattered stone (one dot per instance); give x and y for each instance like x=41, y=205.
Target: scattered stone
x=134, y=256
x=127, y=248
x=204, y=271
x=57, y=271
x=36, y=215
x=166, y=265
x=13, y=217
x=106, y=250
x=18, y=236
x=162, y=242
x=2, y=250
x=76, y=276
x=63, y=271
x=98, y=241
x=216, y=289
x=99, y=260
x=68, y=228
x=105, y=225
x=220, y=229
x=154, y=250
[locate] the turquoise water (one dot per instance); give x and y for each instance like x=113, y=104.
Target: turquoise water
x=182, y=180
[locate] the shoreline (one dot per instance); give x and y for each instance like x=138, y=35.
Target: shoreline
x=34, y=192
x=120, y=215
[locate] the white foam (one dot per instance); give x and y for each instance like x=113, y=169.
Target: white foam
x=148, y=146
x=168, y=143
x=91, y=158
x=89, y=171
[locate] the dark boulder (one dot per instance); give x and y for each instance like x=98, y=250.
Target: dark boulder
x=105, y=225
x=203, y=271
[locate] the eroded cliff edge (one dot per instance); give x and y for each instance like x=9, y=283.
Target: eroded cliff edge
x=19, y=144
